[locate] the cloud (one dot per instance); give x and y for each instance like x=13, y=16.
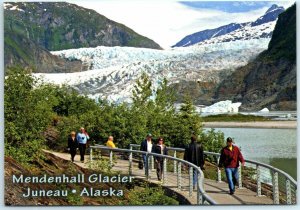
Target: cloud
x=166, y=22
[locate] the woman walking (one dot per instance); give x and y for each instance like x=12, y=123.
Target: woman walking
x=159, y=148
x=72, y=144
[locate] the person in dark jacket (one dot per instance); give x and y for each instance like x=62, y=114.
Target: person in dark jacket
x=230, y=158
x=146, y=146
x=194, y=154
x=159, y=148
x=72, y=145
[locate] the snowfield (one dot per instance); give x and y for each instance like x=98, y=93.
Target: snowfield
x=113, y=71
x=245, y=33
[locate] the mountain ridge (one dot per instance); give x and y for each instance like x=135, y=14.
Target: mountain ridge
x=206, y=35
x=269, y=80
x=46, y=26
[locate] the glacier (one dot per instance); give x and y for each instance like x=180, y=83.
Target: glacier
x=113, y=71
x=222, y=107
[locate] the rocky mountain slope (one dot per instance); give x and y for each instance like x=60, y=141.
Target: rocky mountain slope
x=33, y=28
x=260, y=28
x=269, y=80
x=21, y=51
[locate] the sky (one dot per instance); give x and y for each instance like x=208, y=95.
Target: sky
x=168, y=21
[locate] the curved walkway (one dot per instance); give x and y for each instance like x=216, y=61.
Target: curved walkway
x=217, y=190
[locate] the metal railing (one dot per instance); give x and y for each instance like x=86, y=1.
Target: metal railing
x=267, y=179
x=182, y=180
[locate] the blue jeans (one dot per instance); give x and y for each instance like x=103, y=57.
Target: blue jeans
x=144, y=161
x=195, y=177
x=232, y=177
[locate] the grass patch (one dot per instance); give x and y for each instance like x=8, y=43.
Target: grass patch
x=234, y=118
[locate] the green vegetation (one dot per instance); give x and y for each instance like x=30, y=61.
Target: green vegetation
x=13, y=47
x=212, y=141
x=39, y=115
x=146, y=195
x=74, y=199
x=233, y=118
x=101, y=165
x=28, y=112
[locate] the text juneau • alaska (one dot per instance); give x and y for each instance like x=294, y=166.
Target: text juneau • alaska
x=89, y=192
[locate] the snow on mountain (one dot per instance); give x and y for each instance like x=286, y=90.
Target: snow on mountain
x=207, y=34
x=114, y=70
x=245, y=33
x=260, y=28
x=271, y=15
x=11, y=7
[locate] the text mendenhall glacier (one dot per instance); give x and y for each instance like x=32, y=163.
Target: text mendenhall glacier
x=79, y=178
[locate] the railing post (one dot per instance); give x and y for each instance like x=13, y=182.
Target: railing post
x=199, y=194
x=175, y=163
x=111, y=158
x=258, y=181
x=147, y=167
x=219, y=171
x=240, y=177
x=91, y=154
x=152, y=162
x=275, y=188
x=130, y=161
x=164, y=170
x=288, y=191
x=190, y=181
x=179, y=176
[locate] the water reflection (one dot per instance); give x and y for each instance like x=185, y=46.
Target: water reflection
x=276, y=147
x=287, y=165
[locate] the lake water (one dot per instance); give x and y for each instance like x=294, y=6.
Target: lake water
x=276, y=147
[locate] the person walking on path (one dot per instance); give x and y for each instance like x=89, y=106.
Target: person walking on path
x=72, y=145
x=159, y=148
x=229, y=159
x=194, y=154
x=146, y=146
x=82, y=138
x=110, y=142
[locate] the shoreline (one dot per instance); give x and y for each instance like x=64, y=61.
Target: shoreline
x=259, y=124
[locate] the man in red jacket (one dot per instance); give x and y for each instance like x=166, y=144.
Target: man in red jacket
x=230, y=158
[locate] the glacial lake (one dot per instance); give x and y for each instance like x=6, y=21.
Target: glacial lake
x=276, y=147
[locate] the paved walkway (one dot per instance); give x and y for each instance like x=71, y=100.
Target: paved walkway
x=217, y=191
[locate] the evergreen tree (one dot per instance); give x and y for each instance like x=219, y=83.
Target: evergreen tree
x=189, y=122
